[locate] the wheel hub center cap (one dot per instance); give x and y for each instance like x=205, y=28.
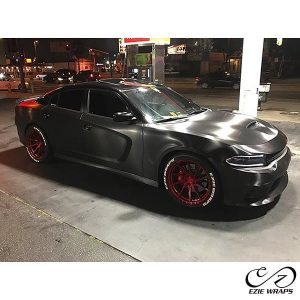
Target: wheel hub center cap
x=190, y=180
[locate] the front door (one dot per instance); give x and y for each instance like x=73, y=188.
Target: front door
x=117, y=145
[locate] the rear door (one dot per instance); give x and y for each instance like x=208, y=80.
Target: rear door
x=62, y=123
x=117, y=145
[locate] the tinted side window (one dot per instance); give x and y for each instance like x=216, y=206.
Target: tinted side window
x=105, y=103
x=71, y=99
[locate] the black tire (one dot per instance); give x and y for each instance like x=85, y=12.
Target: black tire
x=37, y=145
x=191, y=181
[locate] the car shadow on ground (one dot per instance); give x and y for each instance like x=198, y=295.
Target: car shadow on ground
x=116, y=187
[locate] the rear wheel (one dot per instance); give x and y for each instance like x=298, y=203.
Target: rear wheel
x=37, y=145
x=191, y=181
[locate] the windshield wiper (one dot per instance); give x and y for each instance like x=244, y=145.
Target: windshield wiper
x=170, y=119
x=198, y=111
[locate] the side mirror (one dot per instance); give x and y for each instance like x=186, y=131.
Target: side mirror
x=123, y=116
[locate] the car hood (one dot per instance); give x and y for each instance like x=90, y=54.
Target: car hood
x=224, y=126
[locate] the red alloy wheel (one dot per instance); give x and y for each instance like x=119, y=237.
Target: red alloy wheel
x=189, y=182
x=36, y=145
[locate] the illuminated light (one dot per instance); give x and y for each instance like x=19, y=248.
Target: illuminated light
x=60, y=79
x=142, y=89
x=28, y=60
x=32, y=103
x=141, y=41
x=279, y=42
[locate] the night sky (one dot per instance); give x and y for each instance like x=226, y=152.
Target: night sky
x=83, y=45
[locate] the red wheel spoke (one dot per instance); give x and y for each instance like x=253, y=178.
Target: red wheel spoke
x=201, y=188
x=184, y=186
x=190, y=192
x=202, y=178
x=35, y=144
x=177, y=182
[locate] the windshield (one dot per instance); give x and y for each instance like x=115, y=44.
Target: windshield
x=159, y=103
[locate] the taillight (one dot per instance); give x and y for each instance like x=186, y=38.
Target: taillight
x=30, y=103
x=92, y=75
x=197, y=78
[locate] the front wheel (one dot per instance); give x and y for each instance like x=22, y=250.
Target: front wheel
x=37, y=145
x=191, y=181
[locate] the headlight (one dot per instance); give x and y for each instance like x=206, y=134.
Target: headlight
x=59, y=78
x=70, y=78
x=247, y=161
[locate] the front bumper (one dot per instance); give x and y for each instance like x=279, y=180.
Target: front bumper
x=256, y=186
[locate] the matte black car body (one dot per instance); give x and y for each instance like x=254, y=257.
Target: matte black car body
x=141, y=150
x=218, y=79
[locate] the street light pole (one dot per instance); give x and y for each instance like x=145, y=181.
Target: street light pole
x=35, y=49
x=20, y=57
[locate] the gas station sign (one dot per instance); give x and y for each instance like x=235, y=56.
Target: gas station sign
x=122, y=47
x=179, y=49
x=142, y=41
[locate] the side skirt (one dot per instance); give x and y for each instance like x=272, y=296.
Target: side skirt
x=129, y=175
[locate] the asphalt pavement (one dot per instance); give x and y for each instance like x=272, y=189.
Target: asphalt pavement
x=30, y=234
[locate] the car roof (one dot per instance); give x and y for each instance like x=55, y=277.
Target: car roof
x=113, y=83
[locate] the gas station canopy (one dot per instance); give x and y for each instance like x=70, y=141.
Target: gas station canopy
x=143, y=41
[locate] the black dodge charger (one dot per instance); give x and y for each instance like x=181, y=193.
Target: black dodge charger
x=151, y=133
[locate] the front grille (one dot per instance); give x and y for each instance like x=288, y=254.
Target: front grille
x=273, y=156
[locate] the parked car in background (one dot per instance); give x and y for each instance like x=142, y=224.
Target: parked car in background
x=218, y=79
x=50, y=78
x=42, y=75
x=60, y=76
x=9, y=83
x=65, y=75
x=86, y=75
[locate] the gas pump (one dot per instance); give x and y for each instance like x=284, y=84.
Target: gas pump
x=145, y=66
x=142, y=69
x=141, y=73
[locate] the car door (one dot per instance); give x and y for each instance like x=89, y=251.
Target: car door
x=117, y=145
x=61, y=120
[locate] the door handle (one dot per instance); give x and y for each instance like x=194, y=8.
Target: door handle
x=46, y=116
x=87, y=127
